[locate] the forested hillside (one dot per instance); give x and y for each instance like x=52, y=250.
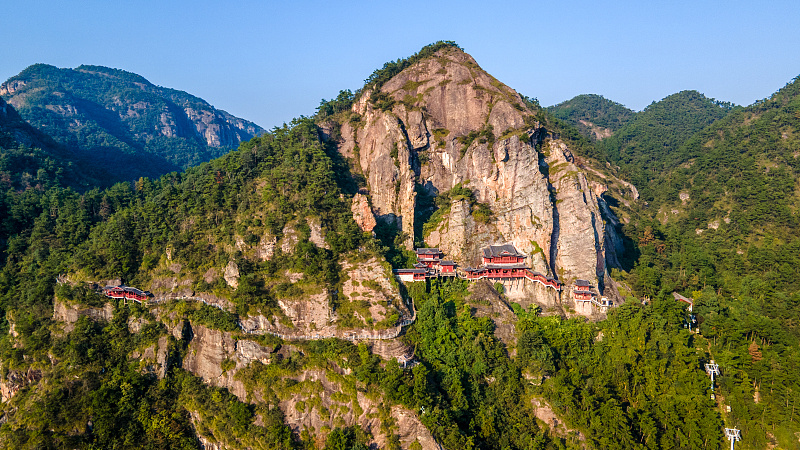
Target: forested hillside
x=721, y=225
x=248, y=251
x=122, y=124
x=122, y=232
x=30, y=158
x=647, y=145
x=593, y=115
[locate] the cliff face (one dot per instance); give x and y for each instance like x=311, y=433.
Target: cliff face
x=444, y=122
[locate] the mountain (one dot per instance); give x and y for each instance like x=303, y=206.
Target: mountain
x=276, y=320
x=454, y=159
x=647, y=144
x=721, y=225
x=30, y=158
x=16, y=131
x=740, y=170
x=114, y=119
x=593, y=115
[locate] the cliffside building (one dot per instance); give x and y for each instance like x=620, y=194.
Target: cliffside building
x=500, y=262
x=582, y=291
x=503, y=262
x=429, y=265
x=431, y=257
x=585, y=297
x=126, y=292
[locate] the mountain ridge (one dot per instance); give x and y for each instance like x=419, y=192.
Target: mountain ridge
x=112, y=117
x=443, y=124
x=594, y=115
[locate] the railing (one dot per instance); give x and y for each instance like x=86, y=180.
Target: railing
x=352, y=336
x=347, y=335
x=593, y=300
x=527, y=275
x=160, y=300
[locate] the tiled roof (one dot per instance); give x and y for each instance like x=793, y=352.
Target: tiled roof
x=129, y=289
x=682, y=298
x=495, y=251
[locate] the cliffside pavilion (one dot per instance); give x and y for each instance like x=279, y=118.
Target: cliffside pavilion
x=429, y=265
x=499, y=262
x=584, y=296
x=126, y=293
x=505, y=262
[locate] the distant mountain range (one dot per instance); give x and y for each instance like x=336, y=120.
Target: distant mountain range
x=119, y=123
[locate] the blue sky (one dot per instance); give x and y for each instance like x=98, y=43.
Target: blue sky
x=271, y=61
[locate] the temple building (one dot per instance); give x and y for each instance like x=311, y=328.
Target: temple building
x=584, y=296
x=506, y=262
x=126, y=292
x=429, y=265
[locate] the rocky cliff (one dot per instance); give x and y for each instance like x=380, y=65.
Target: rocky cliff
x=444, y=123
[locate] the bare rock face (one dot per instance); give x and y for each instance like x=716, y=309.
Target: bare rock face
x=171, y=287
x=385, y=159
x=362, y=213
x=135, y=324
x=457, y=229
x=310, y=314
x=210, y=275
x=452, y=123
x=266, y=248
x=359, y=409
x=580, y=246
x=211, y=351
x=290, y=239
x=367, y=281
x=231, y=274
x=316, y=236
x=14, y=380
x=68, y=314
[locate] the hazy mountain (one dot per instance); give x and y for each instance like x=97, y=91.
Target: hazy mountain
x=30, y=158
x=122, y=123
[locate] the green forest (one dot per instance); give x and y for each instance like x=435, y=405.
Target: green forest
x=592, y=108
x=717, y=221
